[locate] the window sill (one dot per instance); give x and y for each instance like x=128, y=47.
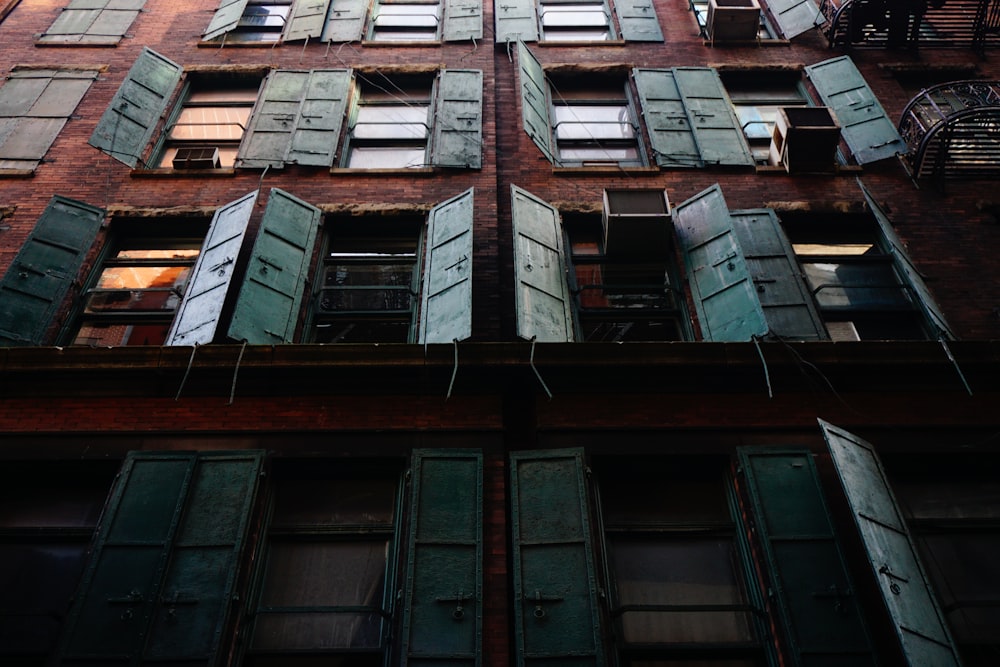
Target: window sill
x=582, y=42
x=43, y=41
x=406, y=171
x=836, y=170
x=396, y=43
x=17, y=173
x=606, y=169
x=747, y=42
x=157, y=172
x=218, y=44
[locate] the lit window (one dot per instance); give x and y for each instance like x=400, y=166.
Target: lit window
x=406, y=21
x=576, y=21
x=207, y=130
x=391, y=125
x=594, y=125
x=756, y=106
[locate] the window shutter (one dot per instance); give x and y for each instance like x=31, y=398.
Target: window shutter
x=638, y=21
x=199, y=312
x=129, y=122
x=463, y=19
x=226, y=18
x=93, y=22
x=817, y=603
x=442, y=616
x=268, y=304
x=345, y=21
x=534, y=101
x=458, y=119
x=920, y=626
x=297, y=119
x=864, y=125
x=44, y=269
x=446, y=299
x=542, y=294
x=713, y=121
x=159, y=583
x=932, y=312
x=795, y=17
x=783, y=294
x=723, y=290
x=515, y=21
x=555, y=590
x=666, y=119
x=306, y=20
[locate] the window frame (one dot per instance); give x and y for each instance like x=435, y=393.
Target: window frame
x=391, y=96
x=553, y=33
x=765, y=32
x=247, y=33
x=789, y=90
x=421, y=34
x=605, y=96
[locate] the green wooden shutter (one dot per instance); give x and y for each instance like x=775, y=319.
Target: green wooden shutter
x=226, y=18
x=864, y=125
x=723, y=290
x=638, y=21
x=534, y=101
x=666, y=119
x=130, y=120
x=817, y=604
x=463, y=19
x=515, y=21
x=442, y=615
x=198, y=316
x=297, y=119
x=713, y=120
x=307, y=20
x=446, y=298
x=920, y=626
x=795, y=17
x=556, y=612
x=458, y=119
x=159, y=583
x=267, y=307
x=541, y=294
x=93, y=22
x=346, y=20
x=783, y=294
x=932, y=312
x=44, y=269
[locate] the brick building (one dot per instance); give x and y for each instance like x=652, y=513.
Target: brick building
x=383, y=332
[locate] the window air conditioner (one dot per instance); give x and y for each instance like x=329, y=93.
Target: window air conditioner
x=197, y=158
x=805, y=139
x=636, y=223
x=733, y=20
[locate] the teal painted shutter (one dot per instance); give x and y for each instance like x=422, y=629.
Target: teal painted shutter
x=817, y=604
x=795, y=17
x=306, y=20
x=556, y=612
x=864, y=125
x=93, y=22
x=442, y=616
x=446, y=298
x=716, y=128
x=920, y=626
x=638, y=21
x=723, y=290
x=463, y=19
x=932, y=312
x=44, y=269
x=129, y=122
x=227, y=17
x=159, y=583
x=268, y=304
x=666, y=119
x=297, y=119
x=346, y=20
x=199, y=312
x=534, y=101
x=541, y=294
x=458, y=119
x=515, y=21
x=782, y=291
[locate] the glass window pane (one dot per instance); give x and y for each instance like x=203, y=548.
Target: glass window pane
x=308, y=574
x=342, y=275
x=866, y=286
x=264, y=16
x=122, y=334
x=211, y=123
x=317, y=502
x=385, y=157
x=369, y=330
x=413, y=16
x=574, y=15
x=391, y=122
x=317, y=630
x=593, y=122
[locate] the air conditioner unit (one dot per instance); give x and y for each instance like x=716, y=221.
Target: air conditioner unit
x=805, y=139
x=733, y=20
x=197, y=158
x=636, y=223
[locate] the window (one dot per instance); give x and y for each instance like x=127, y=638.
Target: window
x=594, y=124
x=757, y=102
x=702, y=12
x=92, y=22
x=391, y=125
x=574, y=21
x=405, y=21
x=261, y=21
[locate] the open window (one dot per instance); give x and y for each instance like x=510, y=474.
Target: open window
x=576, y=21
x=758, y=100
x=391, y=124
x=594, y=122
x=405, y=21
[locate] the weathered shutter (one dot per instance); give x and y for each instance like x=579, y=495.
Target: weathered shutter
x=458, y=119
x=159, y=583
x=442, y=615
x=817, y=603
x=864, y=125
x=932, y=312
x=267, y=307
x=534, y=101
x=93, y=21
x=307, y=20
x=226, y=18
x=297, y=119
x=345, y=21
x=446, y=298
x=638, y=21
x=713, y=120
x=199, y=312
x=723, y=290
x=920, y=626
x=795, y=17
x=556, y=612
x=44, y=269
x=515, y=21
x=783, y=294
x=542, y=297
x=130, y=120
x=666, y=119
x=463, y=19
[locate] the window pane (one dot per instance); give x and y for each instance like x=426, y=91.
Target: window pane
x=595, y=330
x=354, y=330
x=574, y=15
x=945, y=499
x=264, y=16
x=342, y=275
x=317, y=502
x=966, y=576
x=122, y=334
x=866, y=286
x=593, y=122
x=317, y=631
x=412, y=16
x=391, y=122
x=387, y=157
x=303, y=574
